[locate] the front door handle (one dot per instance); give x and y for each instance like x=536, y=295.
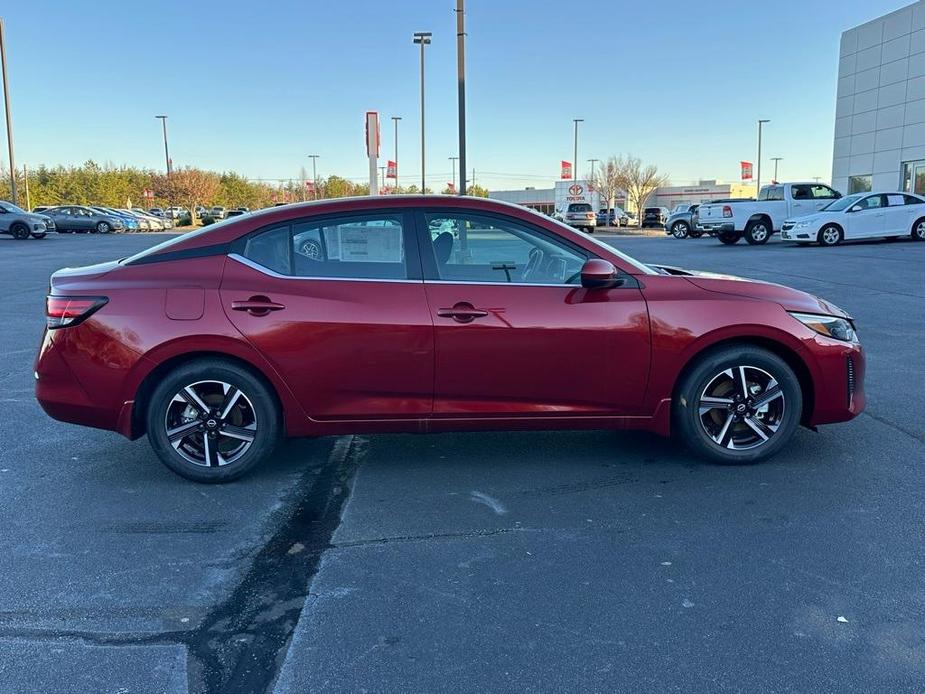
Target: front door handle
x=462, y=312
x=257, y=306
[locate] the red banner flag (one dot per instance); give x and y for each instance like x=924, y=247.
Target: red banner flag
x=746, y=170
x=391, y=169
x=566, y=170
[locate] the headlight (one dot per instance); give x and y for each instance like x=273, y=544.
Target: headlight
x=801, y=224
x=830, y=326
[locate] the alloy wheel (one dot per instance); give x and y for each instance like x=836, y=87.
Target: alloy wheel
x=759, y=233
x=741, y=408
x=210, y=423
x=920, y=231
x=830, y=236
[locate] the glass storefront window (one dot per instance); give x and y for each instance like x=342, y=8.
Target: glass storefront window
x=914, y=177
x=858, y=184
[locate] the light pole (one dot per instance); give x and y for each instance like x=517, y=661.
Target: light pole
x=454, y=159
x=461, y=87
x=9, y=116
x=592, y=162
x=163, y=120
x=775, y=160
x=761, y=122
x=395, y=120
x=575, y=170
x=422, y=38
x=314, y=158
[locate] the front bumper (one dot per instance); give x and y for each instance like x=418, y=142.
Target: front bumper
x=839, y=369
x=790, y=232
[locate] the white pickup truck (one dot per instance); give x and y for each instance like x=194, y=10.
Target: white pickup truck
x=757, y=220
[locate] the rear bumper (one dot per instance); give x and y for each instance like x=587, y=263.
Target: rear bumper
x=717, y=227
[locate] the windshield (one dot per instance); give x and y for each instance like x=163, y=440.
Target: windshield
x=642, y=267
x=843, y=203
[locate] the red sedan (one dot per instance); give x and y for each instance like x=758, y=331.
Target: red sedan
x=426, y=314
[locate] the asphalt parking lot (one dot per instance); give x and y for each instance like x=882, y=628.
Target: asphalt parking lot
x=588, y=561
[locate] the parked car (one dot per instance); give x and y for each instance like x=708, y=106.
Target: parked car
x=144, y=222
x=176, y=212
x=579, y=215
x=156, y=223
x=41, y=208
x=129, y=222
x=157, y=212
x=349, y=315
x=201, y=211
x=234, y=213
x=860, y=216
x=654, y=217
x=605, y=218
x=20, y=224
x=622, y=217
x=218, y=212
x=683, y=222
x=82, y=219
x=760, y=219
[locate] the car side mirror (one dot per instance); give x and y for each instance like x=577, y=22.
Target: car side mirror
x=855, y=208
x=837, y=195
x=598, y=273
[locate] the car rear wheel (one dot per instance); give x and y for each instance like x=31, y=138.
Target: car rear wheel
x=680, y=230
x=728, y=238
x=830, y=235
x=19, y=231
x=738, y=404
x=757, y=232
x=103, y=228
x=918, y=230
x=212, y=421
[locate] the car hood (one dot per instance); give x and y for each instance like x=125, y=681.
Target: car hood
x=790, y=299
x=814, y=218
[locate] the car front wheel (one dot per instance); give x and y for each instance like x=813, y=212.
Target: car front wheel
x=680, y=230
x=830, y=235
x=103, y=228
x=918, y=230
x=212, y=421
x=738, y=404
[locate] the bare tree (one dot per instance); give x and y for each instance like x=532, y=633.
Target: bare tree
x=638, y=181
x=190, y=186
x=606, y=180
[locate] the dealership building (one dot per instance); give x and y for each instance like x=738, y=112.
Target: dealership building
x=544, y=199
x=880, y=113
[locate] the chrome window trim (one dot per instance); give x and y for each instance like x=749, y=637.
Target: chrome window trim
x=272, y=273
x=503, y=284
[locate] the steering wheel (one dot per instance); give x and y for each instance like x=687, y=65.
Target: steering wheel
x=535, y=260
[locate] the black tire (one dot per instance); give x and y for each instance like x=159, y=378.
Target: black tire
x=918, y=230
x=830, y=235
x=680, y=230
x=783, y=412
x=19, y=231
x=695, y=234
x=729, y=238
x=103, y=228
x=254, y=410
x=758, y=232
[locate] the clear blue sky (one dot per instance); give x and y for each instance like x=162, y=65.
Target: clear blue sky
x=254, y=87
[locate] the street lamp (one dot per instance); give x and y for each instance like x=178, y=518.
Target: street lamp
x=163, y=120
x=576, y=121
x=314, y=158
x=592, y=162
x=422, y=38
x=395, y=120
x=454, y=159
x=775, y=160
x=761, y=122
x=9, y=116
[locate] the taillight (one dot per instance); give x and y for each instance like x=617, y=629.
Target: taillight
x=65, y=311
x=727, y=211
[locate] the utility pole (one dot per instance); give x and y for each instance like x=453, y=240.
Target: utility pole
x=314, y=158
x=758, y=163
x=422, y=38
x=454, y=159
x=163, y=120
x=395, y=120
x=575, y=160
x=9, y=116
x=775, y=160
x=382, y=175
x=25, y=176
x=461, y=82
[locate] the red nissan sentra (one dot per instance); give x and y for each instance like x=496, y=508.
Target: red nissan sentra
x=428, y=314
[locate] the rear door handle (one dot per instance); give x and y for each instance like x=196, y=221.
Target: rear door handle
x=462, y=312
x=257, y=306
